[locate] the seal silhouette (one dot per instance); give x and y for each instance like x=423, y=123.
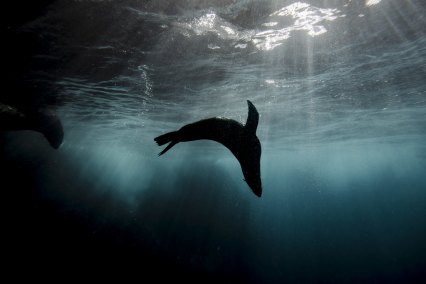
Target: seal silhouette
x=240, y=139
x=44, y=121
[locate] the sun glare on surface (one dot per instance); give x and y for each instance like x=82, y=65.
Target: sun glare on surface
x=372, y=2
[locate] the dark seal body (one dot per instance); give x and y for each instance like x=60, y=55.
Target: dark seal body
x=44, y=121
x=240, y=139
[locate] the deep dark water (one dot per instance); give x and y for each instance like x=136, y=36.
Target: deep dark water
x=342, y=128
x=359, y=229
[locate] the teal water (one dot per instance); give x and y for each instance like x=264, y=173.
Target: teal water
x=341, y=94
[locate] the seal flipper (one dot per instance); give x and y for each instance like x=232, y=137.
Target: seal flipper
x=48, y=123
x=252, y=118
x=166, y=138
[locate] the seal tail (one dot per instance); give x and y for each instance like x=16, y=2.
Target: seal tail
x=166, y=138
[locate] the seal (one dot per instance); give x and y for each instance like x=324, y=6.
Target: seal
x=44, y=121
x=240, y=139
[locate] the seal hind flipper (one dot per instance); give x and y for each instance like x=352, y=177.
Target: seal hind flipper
x=166, y=138
x=173, y=143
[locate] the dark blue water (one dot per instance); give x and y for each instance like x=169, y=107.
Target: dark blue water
x=341, y=91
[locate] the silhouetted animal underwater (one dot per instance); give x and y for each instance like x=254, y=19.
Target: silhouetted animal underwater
x=240, y=139
x=44, y=121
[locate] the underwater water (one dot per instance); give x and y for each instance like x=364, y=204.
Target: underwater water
x=341, y=92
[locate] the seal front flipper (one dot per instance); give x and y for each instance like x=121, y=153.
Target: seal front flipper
x=252, y=118
x=166, y=138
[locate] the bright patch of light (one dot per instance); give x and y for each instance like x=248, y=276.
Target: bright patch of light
x=210, y=23
x=268, y=40
x=291, y=10
x=206, y=21
x=316, y=30
x=306, y=18
x=270, y=24
x=372, y=2
x=241, y=45
x=212, y=46
x=274, y=32
x=228, y=30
